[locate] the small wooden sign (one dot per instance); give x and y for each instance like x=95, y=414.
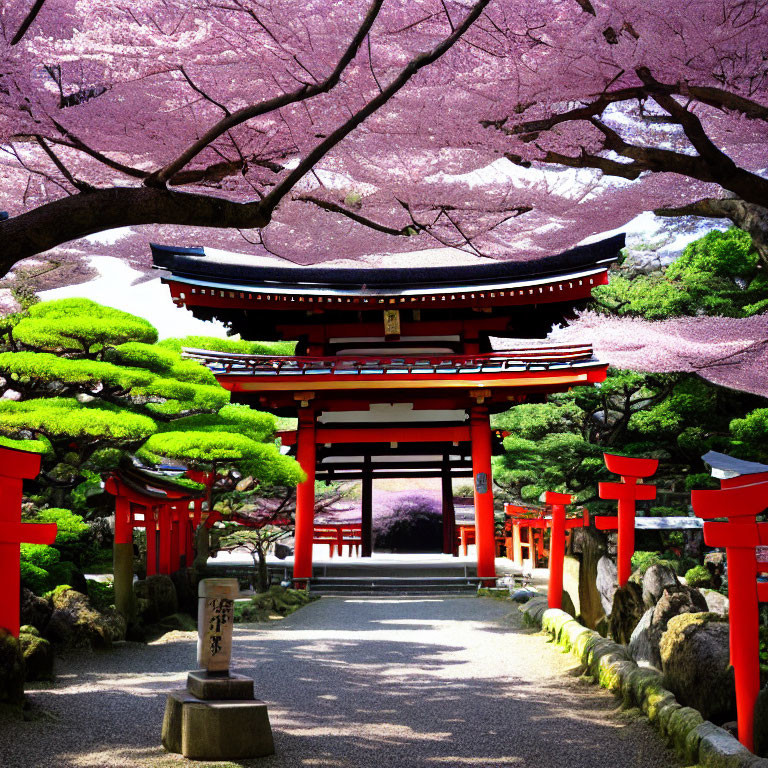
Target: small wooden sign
x=391, y=322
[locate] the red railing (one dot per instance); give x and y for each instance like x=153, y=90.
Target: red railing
x=260, y=365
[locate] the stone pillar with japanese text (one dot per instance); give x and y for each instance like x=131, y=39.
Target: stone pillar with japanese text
x=216, y=717
x=215, y=615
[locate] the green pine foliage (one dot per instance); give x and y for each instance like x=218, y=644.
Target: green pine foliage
x=80, y=325
x=73, y=539
x=235, y=346
x=90, y=383
x=719, y=274
x=750, y=435
x=558, y=445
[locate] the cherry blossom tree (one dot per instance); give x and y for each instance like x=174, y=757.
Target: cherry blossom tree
x=108, y=110
x=379, y=125
x=670, y=95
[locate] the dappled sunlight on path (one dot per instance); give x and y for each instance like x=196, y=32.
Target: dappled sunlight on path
x=352, y=683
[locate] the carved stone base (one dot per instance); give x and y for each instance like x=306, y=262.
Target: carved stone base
x=206, y=729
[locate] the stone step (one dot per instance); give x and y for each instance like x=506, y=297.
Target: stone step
x=394, y=585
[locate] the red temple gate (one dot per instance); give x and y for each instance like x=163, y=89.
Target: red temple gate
x=169, y=514
x=396, y=371
x=15, y=467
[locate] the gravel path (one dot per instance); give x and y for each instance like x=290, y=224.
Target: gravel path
x=352, y=683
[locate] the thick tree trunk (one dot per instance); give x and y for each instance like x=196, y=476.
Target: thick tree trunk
x=261, y=572
x=88, y=212
x=747, y=216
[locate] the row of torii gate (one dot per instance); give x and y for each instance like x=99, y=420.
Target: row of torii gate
x=730, y=516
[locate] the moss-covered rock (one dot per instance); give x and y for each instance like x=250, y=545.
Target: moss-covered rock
x=626, y=612
x=35, y=610
x=115, y=623
x=75, y=623
x=695, y=660
x=533, y=611
x=38, y=654
x=276, y=600
x=11, y=670
x=160, y=595
x=681, y=723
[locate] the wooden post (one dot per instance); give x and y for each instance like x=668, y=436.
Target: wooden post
x=16, y=466
x=305, y=496
x=449, y=511
x=366, y=509
x=481, y=471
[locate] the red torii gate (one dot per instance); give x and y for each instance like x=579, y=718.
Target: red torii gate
x=15, y=467
x=163, y=509
x=558, y=526
x=740, y=500
x=627, y=492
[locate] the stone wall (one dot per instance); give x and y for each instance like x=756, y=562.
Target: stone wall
x=608, y=664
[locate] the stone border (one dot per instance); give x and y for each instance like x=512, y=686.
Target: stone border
x=697, y=741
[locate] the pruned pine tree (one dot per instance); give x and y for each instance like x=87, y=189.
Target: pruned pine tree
x=85, y=384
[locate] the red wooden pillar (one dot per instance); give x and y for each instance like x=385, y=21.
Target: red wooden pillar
x=15, y=467
x=627, y=492
x=122, y=554
x=485, y=542
x=183, y=522
x=164, y=545
x=189, y=545
x=175, y=550
x=740, y=536
x=305, y=495
x=151, y=527
x=556, y=546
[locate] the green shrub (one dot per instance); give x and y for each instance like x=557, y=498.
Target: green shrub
x=698, y=576
x=101, y=593
x=38, y=563
x=642, y=561
x=73, y=539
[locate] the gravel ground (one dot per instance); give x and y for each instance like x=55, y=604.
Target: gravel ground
x=352, y=683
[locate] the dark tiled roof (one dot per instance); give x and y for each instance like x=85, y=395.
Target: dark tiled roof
x=196, y=263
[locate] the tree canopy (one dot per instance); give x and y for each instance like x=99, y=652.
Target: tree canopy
x=718, y=275
x=385, y=126
x=88, y=383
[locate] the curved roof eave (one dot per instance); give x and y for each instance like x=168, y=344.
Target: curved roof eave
x=196, y=263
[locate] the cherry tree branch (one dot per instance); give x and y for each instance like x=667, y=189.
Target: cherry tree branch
x=69, y=218
x=306, y=91
x=327, y=205
x=416, y=64
x=82, y=186
x=710, y=164
x=28, y=21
